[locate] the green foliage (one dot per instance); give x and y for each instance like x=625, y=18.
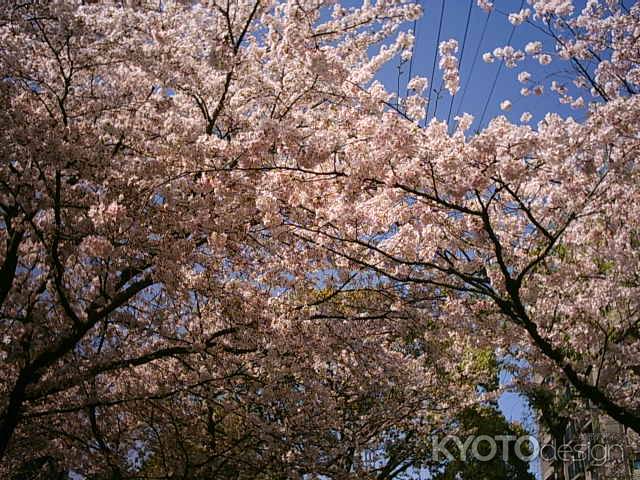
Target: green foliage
x=41, y=468
x=486, y=420
x=482, y=364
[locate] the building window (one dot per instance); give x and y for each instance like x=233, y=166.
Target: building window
x=636, y=469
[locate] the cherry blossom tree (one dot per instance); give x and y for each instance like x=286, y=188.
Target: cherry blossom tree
x=151, y=323
x=228, y=251
x=113, y=268
x=526, y=238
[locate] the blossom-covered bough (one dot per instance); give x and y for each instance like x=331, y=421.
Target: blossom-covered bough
x=227, y=254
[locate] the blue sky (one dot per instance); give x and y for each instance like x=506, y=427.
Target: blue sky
x=478, y=82
x=515, y=408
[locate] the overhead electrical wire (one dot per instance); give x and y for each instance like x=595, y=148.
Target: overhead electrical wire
x=495, y=80
x=413, y=50
x=435, y=59
x=473, y=64
x=464, y=42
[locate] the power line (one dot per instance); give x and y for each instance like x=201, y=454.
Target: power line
x=435, y=59
x=437, y=100
x=464, y=42
x=473, y=64
x=495, y=80
x=413, y=50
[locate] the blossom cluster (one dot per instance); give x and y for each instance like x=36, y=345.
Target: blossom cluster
x=449, y=65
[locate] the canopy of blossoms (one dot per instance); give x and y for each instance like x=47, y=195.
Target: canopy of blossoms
x=229, y=252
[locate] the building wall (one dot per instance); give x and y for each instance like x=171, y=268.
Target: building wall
x=595, y=448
